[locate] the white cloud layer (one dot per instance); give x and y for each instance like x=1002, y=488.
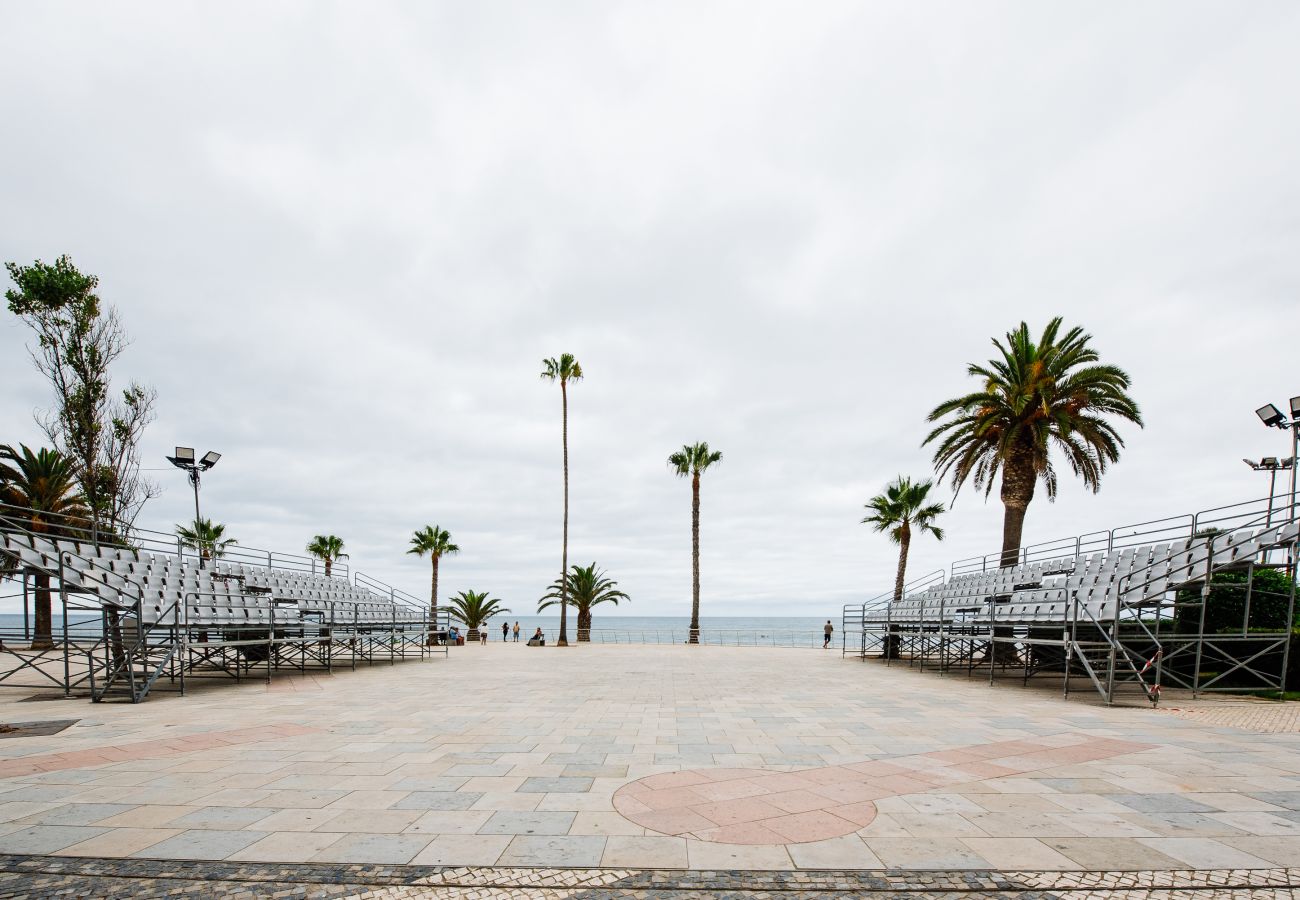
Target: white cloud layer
x=343, y=236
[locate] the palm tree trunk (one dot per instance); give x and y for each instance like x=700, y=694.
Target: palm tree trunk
x=900, y=580
x=564, y=553
x=43, y=632
x=327, y=566
x=433, y=602
x=892, y=640
x=1018, y=479
x=695, y=558
x=584, y=625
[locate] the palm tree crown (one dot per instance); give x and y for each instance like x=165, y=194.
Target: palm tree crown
x=473, y=608
x=565, y=369
x=1037, y=395
x=585, y=587
x=205, y=536
x=694, y=459
x=43, y=482
x=900, y=510
x=432, y=540
x=329, y=548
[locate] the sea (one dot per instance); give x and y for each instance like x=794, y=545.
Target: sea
x=765, y=631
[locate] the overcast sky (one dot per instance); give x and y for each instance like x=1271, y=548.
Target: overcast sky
x=344, y=236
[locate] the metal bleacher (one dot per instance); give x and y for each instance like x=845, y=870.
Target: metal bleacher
x=134, y=619
x=1127, y=609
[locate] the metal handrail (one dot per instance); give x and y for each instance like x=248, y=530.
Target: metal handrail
x=161, y=542
x=1168, y=528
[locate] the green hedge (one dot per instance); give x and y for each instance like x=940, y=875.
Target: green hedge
x=1270, y=595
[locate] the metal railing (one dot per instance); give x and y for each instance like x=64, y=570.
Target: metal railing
x=1154, y=531
x=167, y=544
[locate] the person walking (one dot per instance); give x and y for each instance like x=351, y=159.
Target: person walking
x=482, y=636
x=505, y=632
x=516, y=632
x=829, y=628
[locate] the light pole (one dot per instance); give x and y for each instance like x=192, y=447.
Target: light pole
x=1270, y=464
x=1273, y=417
x=184, y=459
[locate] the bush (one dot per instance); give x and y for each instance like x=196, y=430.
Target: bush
x=1270, y=596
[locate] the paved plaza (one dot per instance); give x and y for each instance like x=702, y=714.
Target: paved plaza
x=630, y=758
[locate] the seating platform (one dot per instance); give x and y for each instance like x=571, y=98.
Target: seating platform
x=1130, y=616
x=132, y=618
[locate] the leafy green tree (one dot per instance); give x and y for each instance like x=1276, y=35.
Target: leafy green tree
x=584, y=588
x=42, y=485
x=901, y=509
x=78, y=339
x=437, y=543
x=565, y=369
x=207, y=537
x=1036, y=395
x=472, y=609
x=328, y=548
x=691, y=462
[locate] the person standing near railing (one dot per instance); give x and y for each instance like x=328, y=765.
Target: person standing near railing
x=505, y=632
x=829, y=629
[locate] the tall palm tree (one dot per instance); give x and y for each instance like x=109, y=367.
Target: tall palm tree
x=899, y=510
x=437, y=543
x=328, y=548
x=472, y=609
x=584, y=588
x=1037, y=394
x=693, y=460
x=207, y=537
x=565, y=369
x=44, y=484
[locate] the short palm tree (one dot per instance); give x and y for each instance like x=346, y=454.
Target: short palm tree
x=207, y=537
x=437, y=543
x=44, y=485
x=328, y=548
x=899, y=510
x=472, y=609
x=565, y=369
x=584, y=588
x=1037, y=394
x=692, y=461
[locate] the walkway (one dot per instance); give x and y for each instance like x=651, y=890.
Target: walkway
x=630, y=758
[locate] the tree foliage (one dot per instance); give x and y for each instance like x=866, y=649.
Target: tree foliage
x=328, y=548
x=207, y=537
x=585, y=587
x=1037, y=396
x=77, y=341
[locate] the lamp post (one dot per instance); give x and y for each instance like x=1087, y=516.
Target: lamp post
x=1272, y=417
x=1270, y=464
x=184, y=459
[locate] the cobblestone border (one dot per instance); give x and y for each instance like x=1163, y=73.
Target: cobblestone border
x=50, y=876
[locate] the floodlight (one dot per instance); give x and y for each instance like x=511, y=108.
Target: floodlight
x=1269, y=462
x=1288, y=462
x=183, y=459
x=210, y=459
x=1251, y=463
x=1270, y=415
x=1295, y=408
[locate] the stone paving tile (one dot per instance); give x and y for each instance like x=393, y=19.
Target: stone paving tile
x=224, y=817
x=438, y=800
x=528, y=823
x=374, y=848
x=47, y=838
x=567, y=851
x=201, y=844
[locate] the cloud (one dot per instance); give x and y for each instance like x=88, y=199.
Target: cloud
x=344, y=238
